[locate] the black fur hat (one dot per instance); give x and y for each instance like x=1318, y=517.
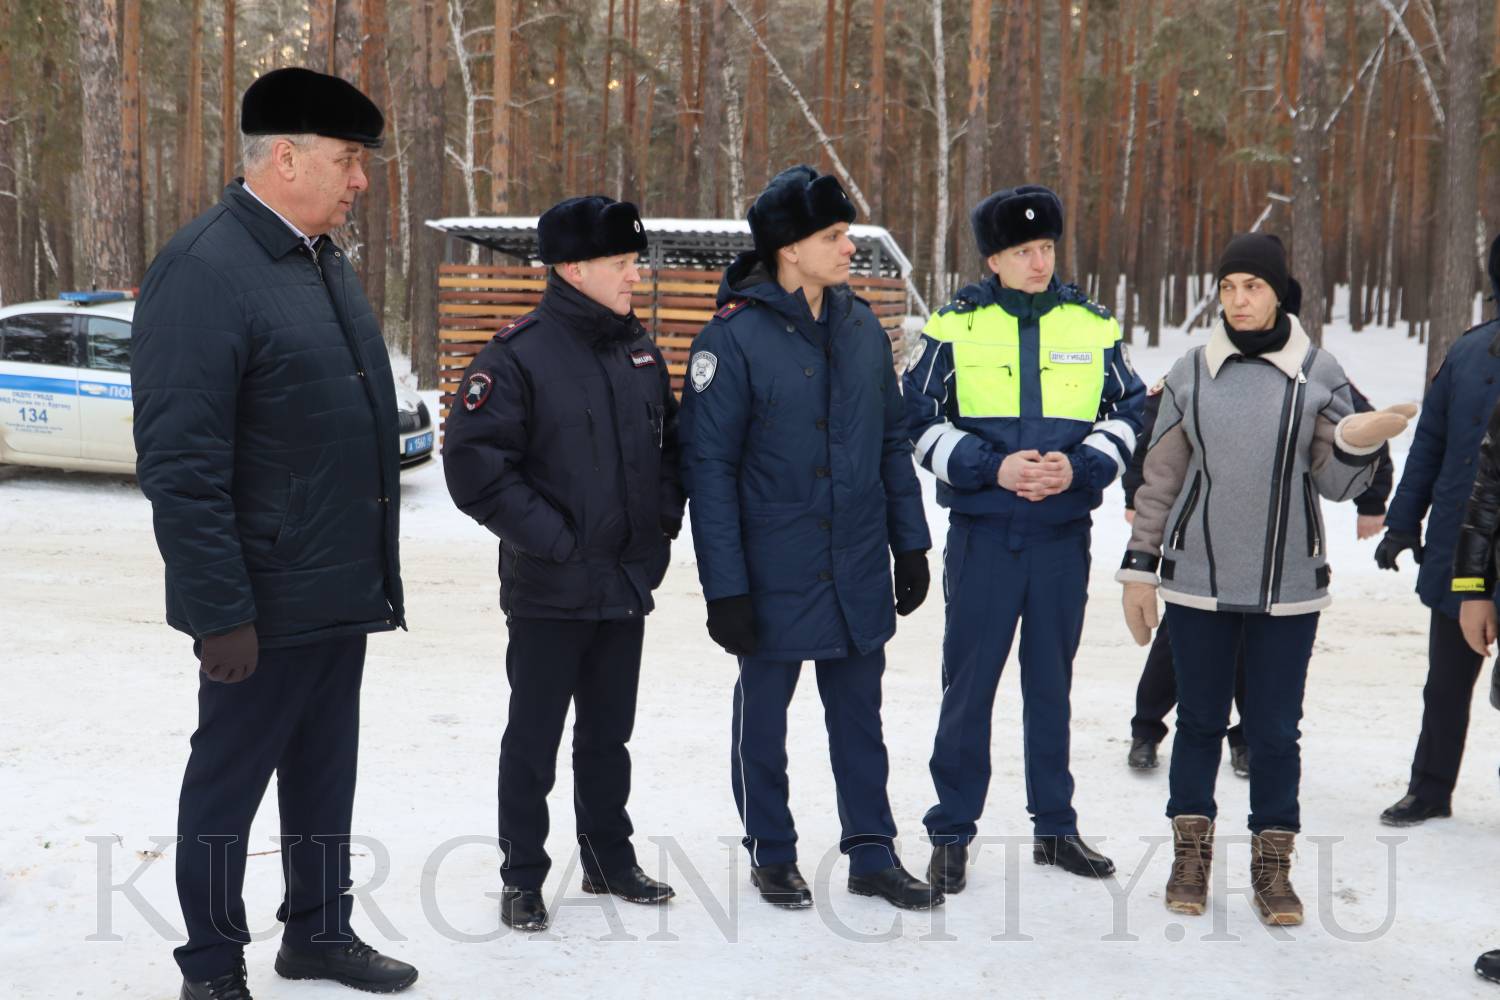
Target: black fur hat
x=797, y=203
x=589, y=227
x=294, y=101
x=1016, y=215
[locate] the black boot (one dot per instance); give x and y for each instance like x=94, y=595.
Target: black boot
x=948, y=871
x=1071, y=854
x=1411, y=811
x=632, y=885
x=897, y=887
x=523, y=909
x=1142, y=754
x=355, y=964
x=1488, y=966
x=1239, y=760
x=230, y=986
x=782, y=885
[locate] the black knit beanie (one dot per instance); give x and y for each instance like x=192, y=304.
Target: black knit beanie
x=1260, y=254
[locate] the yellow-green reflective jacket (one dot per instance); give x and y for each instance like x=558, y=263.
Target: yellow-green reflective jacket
x=998, y=371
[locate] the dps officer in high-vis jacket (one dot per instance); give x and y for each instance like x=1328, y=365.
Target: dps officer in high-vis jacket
x=1024, y=406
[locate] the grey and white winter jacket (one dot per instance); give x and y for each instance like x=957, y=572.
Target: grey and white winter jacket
x=1228, y=516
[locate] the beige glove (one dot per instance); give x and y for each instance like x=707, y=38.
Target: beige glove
x=1370, y=430
x=1141, y=614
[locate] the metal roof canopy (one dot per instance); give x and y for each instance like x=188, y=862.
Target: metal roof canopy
x=704, y=244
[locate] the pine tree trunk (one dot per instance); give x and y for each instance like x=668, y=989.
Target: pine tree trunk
x=15, y=283
x=132, y=129
x=429, y=72
x=758, y=137
x=501, y=117
x=1307, y=219
x=975, y=147
x=321, y=15
x=228, y=105
x=190, y=179
x=940, y=101
x=711, y=143
x=1452, y=306
x=374, y=205
x=107, y=260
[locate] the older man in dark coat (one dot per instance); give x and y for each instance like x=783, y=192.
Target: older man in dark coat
x=265, y=424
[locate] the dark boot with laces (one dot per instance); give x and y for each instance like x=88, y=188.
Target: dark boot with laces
x=355, y=964
x=230, y=986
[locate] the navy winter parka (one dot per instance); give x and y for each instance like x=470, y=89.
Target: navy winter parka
x=563, y=443
x=265, y=432
x=797, y=466
x=1444, y=456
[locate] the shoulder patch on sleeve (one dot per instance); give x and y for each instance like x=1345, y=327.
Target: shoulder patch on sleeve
x=730, y=309
x=701, y=369
x=515, y=326
x=477, y=389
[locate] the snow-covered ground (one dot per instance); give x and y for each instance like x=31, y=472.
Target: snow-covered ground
x=98, y=705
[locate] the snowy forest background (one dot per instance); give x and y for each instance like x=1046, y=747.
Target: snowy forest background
x=1364, y=132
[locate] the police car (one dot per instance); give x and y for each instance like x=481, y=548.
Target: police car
x=65, y=387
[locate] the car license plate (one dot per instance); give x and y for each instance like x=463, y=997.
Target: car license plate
x=418, y=444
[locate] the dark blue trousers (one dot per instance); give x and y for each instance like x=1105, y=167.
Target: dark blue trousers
x=850, y=689
x=594, y=666
x=991, y=589
x=296, y=717
x=1276, y=653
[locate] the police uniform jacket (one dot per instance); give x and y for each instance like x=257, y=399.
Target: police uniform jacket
x=795, y=457
x=999, y=371
x=563, y=442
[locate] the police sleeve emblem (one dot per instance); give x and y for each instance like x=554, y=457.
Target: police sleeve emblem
x=477, y=390
x=701, y=370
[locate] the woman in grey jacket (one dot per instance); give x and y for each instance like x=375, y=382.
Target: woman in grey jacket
x=1254, y=427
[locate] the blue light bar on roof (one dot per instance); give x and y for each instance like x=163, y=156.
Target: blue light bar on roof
x=93, y=298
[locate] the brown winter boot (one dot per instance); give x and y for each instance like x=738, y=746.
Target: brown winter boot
x=1192, y=856
x=1271, y=878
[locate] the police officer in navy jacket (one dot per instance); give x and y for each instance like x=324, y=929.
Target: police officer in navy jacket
x=802, y=487
x=563, y=443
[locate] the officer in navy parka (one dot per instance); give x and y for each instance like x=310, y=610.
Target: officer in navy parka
x=563, y=443
x=802, y=488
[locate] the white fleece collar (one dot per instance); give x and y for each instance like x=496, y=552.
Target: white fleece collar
x=1288, y=358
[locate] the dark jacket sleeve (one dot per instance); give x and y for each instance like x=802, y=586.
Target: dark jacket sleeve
x=1474, y=556
x=714, y=425
x=1425, y=459
x=1372, y=501
x=1133, y=477
x=483, y=461
x=672, y=493
x=190, y=349
x=906, y=524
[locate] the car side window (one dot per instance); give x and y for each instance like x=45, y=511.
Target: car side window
x=108, y=344
x=39, y=339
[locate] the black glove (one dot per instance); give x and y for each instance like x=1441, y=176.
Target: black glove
x=731, y=623
x=671, y=526
x=912, y=579
x=1392, y=545
x=1495, y=686
x=230, y=658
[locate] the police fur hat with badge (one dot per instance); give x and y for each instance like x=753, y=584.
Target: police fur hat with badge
x=797, y=203
x=1016, y=215
x=589, y=227
x=297, y=101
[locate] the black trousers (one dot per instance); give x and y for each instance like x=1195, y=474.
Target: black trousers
x=595, y=666
x=1452, y=669
x=297, y=716
x=1157, y=692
